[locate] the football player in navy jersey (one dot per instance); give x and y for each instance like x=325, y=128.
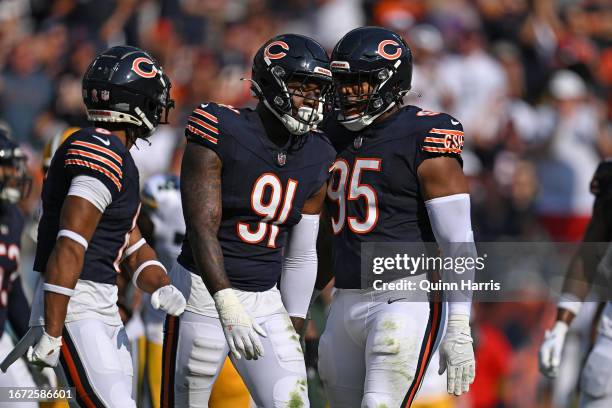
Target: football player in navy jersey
x=91, y=202
x=589, y=273
x=253, y=184
x=14, y=308
x=397, y=178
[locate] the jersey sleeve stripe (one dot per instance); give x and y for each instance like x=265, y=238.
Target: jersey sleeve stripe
x=207, y=115
x=441, y=149
x=83, y=153
x=196, y=121
x=203, y=134
x=435, y=140
x=101, y=149
x=446, y=132
x=107, y=173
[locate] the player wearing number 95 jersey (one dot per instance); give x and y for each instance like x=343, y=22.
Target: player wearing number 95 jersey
x=252, y=183
x=397, y=178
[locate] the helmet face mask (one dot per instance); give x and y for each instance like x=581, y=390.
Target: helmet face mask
x=372, y=70
x=291, y=77
x=307, y=96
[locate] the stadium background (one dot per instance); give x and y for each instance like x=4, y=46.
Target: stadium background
x=529, y=80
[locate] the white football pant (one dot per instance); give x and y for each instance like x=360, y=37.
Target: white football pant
x=95, y=356
x=596, y=378
x=376, y=347
x=195, y=349
x=95, y=359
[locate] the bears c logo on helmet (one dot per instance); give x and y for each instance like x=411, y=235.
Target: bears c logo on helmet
x=381, y=50
x=270, y=55
x=136, y=67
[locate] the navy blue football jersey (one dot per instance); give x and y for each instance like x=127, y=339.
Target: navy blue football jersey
x=11, y=227
x=263, y=190
x=97, y=153
x=373, y=194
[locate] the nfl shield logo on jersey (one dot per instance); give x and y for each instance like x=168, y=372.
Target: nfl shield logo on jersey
x=281, y=158
x=357, y=142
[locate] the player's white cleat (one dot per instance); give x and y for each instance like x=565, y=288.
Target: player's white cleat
x=549, y=356
x=169, y=299
x=241, y=330
x=46, y=352
x=457, y=355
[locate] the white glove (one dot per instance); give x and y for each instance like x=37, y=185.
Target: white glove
x=169, y=299
x=241, y=331
x=549, y=356
x=46, y=352
x=457, y=355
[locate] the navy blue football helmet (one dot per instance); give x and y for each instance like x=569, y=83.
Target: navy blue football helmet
x=126, y=88
x=376, y=65
x=280, y=64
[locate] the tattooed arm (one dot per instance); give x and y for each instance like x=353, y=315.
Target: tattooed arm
x=201, y=196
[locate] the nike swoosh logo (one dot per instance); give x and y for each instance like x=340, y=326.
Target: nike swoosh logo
x=105, y=141
x=455, y=122
x=389, y=301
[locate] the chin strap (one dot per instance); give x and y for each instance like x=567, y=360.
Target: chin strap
x=297, y=127
x=362, y=121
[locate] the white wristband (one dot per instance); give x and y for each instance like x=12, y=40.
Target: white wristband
x=460, y=308
x=62, y=290
x=226, y=298
x=134, y=247
x=144, y=265
x=570, y=302
x=79, y=239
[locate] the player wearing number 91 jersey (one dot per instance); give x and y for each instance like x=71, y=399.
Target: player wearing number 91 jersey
x=397, y=178
x=252, y=183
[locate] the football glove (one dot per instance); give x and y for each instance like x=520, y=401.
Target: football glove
x=241, y=331
x=169, y=299
x=549, y=357
x=46, y=352
x=457, y=355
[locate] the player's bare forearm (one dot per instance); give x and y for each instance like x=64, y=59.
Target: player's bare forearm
x=66, y=260
x=441, y=177
x=298, y=324
x=146, y=227
x=152, y=277
x=314, y=204
x=201, y=197
x=583, y=266
x=63, y=269
x=575, y=283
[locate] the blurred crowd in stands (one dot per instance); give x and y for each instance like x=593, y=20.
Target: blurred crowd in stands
x=529, y=79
